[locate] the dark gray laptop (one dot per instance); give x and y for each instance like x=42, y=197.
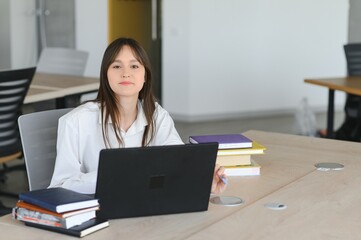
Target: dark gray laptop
x=156, y=180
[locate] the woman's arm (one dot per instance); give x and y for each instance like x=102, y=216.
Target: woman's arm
x=69, y=170
x=219, y=180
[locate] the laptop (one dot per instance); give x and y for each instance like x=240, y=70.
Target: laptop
x=144, y=181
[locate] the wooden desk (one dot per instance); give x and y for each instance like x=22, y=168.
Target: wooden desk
x=51, y=86
x=321, y=205
x=351, y=85
x=288, y=175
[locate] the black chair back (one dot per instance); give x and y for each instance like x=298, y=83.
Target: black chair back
x=353, y=58
x=350, y=130
x=14, y=85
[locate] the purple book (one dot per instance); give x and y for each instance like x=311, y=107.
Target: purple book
x=225, y=141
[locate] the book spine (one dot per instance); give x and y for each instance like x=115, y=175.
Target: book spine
x=26, y=215
x=37, y=203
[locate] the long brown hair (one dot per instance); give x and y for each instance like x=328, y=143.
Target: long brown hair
x=107, y=99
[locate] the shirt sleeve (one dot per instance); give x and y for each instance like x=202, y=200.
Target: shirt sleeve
x=166, y=133
x=68, y=171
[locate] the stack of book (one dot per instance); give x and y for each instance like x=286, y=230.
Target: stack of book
x=60, y=210
x=234, y=153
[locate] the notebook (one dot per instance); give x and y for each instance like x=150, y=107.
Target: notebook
x=156, y=180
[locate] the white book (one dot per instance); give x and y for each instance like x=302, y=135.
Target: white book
x=243, y=170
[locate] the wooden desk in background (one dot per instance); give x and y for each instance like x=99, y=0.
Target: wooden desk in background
x=320, y=205
x=351, y=85
x=52, y=86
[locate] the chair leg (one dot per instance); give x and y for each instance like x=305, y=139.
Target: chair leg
x=7, y=169
x=3, y=178
x=4, y=210
x=9, y=194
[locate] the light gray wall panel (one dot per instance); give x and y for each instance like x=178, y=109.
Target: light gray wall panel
x=355, y=21
x=5, y=55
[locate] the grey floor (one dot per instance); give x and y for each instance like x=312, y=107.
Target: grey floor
x=17, y=180
x=280, y=124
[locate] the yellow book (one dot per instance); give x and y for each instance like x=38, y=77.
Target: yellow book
x=256, y=149
x=231, y=160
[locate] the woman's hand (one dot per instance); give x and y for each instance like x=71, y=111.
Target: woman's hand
x=218, y=185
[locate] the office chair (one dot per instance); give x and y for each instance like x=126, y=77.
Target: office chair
x=14, y=85
x=65, y=61
x=350, y=130
x=38, y=132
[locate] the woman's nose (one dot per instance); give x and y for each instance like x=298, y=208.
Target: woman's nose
x=125, y=74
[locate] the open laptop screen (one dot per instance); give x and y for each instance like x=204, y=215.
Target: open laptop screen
x=155, y=180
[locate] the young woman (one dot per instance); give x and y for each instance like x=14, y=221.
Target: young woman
x=124, y=114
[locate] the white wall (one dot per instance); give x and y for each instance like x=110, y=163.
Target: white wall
x=23, y=34
x=91, y=32
x=249, y=57
x=176, y=79
x=225, y=58
x=91, y=26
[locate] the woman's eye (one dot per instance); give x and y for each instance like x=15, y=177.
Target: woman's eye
x=135, y=66
x=116, y=66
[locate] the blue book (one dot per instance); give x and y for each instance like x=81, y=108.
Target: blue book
x=58, y=199
x=225, y=141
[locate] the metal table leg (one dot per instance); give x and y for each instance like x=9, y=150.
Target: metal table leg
x=330, y=113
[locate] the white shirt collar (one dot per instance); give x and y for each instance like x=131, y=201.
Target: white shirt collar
x=139, y=123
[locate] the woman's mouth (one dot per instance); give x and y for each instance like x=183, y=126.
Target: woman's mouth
x=125, y=83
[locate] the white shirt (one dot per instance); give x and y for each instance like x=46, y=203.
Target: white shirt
x=80, y=140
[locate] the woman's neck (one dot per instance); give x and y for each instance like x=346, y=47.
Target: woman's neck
x=128, y=113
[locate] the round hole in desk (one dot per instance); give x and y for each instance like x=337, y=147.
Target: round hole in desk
x=226, y=200
x=327, y=166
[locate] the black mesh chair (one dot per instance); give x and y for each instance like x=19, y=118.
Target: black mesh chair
x=350, y=130
x=14, y=85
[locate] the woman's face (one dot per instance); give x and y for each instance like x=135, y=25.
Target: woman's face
x=126, y=74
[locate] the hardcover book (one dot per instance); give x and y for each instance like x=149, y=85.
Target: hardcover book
x=225, y=141
x=26, y=215
x=256, y=149
x=252, y=170
x=82, y=230
x=231, y=160
x=32, y=207
x=58, y=199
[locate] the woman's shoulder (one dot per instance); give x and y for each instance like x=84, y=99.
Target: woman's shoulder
x=159, y=109
x=84, y=111
x=160, y=112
